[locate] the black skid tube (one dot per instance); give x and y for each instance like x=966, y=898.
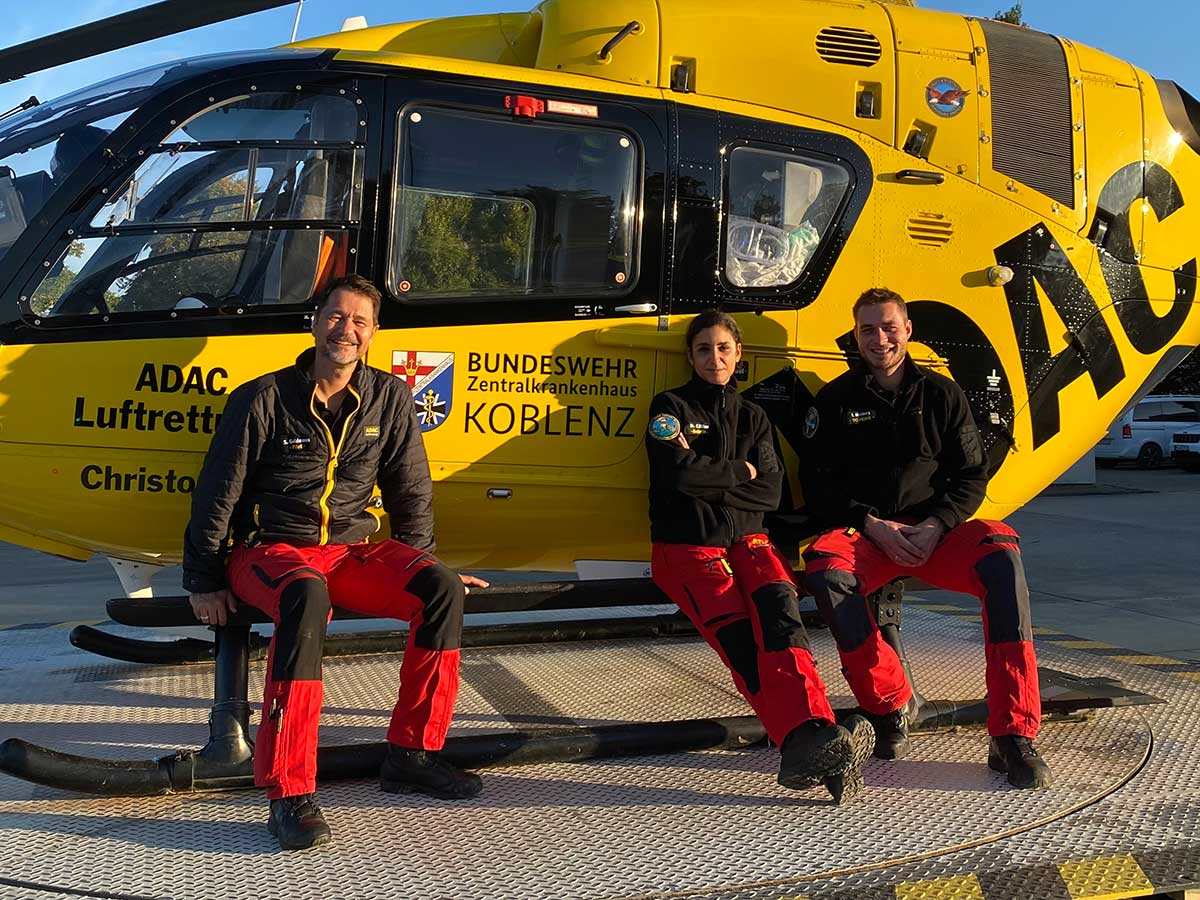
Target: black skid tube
x=185, y=651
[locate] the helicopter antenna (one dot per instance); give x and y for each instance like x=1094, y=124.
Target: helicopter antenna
x=123, y=30
x=296, y=23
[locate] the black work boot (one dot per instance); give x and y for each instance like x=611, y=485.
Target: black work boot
x=1019, y=759
x=405, y=771
x=818, y=752
x=891, y=732
x=297, y=822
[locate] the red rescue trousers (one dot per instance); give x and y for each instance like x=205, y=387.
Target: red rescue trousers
x=978, y=557
x=743, y=601
x=293, y=585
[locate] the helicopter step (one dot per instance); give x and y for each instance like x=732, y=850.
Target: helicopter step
x=639, y=788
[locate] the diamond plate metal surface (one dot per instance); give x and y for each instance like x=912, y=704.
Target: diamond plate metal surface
x=712, y=825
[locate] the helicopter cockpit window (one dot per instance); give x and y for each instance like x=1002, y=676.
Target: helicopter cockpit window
x=780, y=209
x=489, y=206
x=202, y=224
x=43, y=146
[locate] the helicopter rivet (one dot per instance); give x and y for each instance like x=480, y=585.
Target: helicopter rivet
x=353, y=250
x=254, y=87
x=24, y=298
x=297, y=87
x=983, y=92
x=212, y=99
x=37, y=321
x=362, y=123
x=46, y=264
x=342, y=91
x=172, y=121
x=104, y=190
x=141, y=153
x=980, y=51
x=106, y=318
x=1079, y=175
x=70, y=231
x=240, y=310
x=358, y=101
x=174, y=315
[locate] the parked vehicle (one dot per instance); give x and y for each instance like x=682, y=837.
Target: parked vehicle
x=1185, y=448
x=1142, y=435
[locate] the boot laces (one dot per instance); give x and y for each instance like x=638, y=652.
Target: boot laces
x=1025, y=747
x=303, y=805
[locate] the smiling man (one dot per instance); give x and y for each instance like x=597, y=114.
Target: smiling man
x=893, y=467
x=287, y=484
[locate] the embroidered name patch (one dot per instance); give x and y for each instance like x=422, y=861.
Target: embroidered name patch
x=296, y=443
x=859, y=416
x=695, y=428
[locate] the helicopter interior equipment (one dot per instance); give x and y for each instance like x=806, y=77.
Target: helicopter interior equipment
x=545, y=198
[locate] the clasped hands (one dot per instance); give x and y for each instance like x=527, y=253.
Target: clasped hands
x=906, y=545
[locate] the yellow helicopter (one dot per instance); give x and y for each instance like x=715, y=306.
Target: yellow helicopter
x=545, y=198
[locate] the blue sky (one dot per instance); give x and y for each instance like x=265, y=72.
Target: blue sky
x=1164, y=41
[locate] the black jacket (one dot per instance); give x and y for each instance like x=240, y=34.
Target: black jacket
x=915, y=454
x=275, y=472
x=704, y=495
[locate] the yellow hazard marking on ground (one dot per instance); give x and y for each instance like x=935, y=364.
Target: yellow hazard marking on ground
x=1046, y=632
x=1110, y=878
x=1138, y=659
x=1083, y=645
x=959, y=887
x=1194, y=676
x=968, y=618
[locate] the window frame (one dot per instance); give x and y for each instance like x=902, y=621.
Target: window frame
x=820, y=253
x=390, y=280
x=178, y=109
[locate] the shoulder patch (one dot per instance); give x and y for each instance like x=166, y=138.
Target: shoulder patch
x=812, y=421
x=664, y=427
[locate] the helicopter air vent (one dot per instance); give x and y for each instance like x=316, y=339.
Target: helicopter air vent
x=848, y=46
x=929, y=229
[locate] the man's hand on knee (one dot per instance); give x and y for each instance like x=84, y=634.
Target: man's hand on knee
x=213, y=608
x=889, y=537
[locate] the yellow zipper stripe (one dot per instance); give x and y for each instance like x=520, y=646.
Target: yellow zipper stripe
x=333, y=455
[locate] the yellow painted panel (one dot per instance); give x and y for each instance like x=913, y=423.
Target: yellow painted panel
x=958, y=887
x=1083, y=645
x=1108, y=878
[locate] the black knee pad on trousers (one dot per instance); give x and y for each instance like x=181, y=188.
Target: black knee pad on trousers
x=1006, y=596
x=300, y=635
x=779, y=617
x=737, y=640
x=842, y=607
x=442, y=596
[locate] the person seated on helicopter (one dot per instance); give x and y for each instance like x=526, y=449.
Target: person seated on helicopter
x=714, y=472
x=287, y=483
x=893, y=467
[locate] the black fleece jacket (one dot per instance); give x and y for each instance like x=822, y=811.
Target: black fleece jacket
x=276, y=473
x=911, y=454
x=704, y=495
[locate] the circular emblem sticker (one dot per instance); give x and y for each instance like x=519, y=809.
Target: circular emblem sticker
x=664, y=427
x=945, y=97
x=812, y=421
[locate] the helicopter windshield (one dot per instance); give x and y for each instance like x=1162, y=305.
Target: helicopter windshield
x=41, y=147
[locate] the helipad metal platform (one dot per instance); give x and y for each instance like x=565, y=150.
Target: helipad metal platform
x=1122, y=820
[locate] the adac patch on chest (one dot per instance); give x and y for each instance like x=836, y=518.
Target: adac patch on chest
x=692, y=429
x=371, y=431
x=859, y=416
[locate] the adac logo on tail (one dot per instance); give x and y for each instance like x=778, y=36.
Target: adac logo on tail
x=430, y=376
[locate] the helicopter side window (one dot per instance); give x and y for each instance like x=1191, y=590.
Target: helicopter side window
x=251, y=202
x=781, y=207
x=489, y=206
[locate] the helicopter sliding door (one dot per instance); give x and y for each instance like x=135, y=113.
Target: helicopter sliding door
x=524, y=229
x=185, y=266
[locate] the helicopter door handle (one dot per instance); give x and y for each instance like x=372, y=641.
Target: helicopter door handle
x=920, y=177
x=638, y=308
x=499, y=493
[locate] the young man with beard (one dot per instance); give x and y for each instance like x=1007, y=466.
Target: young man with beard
x=287, y=483
x=892, y=465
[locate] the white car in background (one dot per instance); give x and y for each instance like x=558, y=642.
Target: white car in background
x=1185, y=448
x=1143, y=434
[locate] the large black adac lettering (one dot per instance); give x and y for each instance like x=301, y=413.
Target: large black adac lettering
x=1036, y=259
x=1147, y=331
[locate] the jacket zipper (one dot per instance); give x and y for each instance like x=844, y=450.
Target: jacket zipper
x=725, y=445
x=334, y=451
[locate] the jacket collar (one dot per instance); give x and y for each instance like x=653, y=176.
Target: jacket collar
x=912, y=373
x=710, y=392
x=304, y=365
